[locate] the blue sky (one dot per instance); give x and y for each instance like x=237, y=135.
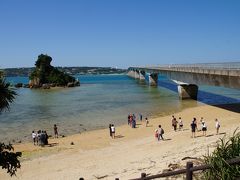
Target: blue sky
x=119, y=33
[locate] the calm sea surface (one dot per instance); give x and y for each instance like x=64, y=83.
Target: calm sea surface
x=100, y=100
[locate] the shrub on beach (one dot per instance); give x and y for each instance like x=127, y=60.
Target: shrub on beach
x=9, y=160
x=226, y=149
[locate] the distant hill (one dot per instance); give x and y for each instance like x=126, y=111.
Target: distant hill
x=11, y=72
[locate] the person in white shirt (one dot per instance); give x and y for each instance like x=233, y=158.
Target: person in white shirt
x=113, y=131
x=204, y=128
x=34, y=136
x=180, y=124
x=160, y=132
x=217, y=126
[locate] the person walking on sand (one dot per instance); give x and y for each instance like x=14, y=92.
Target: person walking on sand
x=39, y=137
x=55, y=129
x=46, y=138
x=174, y=123
x=217, y=126
x=34, y=137
x=129, y=116
x=200, y=123
x=160, y=132
x=193, y=127
x=110, y=129
x=113, y=131
x=147, y=121
x=180, y=124
x=204, y=128
x=140, y=117
x=156, y=134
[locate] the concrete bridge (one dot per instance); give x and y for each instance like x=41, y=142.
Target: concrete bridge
x=189, y=76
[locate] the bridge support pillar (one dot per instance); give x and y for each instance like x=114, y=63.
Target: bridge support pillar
x=153, y=79
x=131, y=74
x=188, y=91
x=136, y=75
x=142, y=75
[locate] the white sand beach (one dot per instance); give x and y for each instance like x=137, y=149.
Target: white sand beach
x=95, y=155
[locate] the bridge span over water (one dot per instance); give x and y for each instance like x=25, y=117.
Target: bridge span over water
x=189, y=76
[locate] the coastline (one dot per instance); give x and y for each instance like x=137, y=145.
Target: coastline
x=96, y=149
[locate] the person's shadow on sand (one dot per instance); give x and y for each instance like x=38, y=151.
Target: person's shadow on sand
x=119, y=136
x=52, y=144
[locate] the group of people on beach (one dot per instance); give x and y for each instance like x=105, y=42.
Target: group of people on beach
x=194, y=125
x=175, y=123
x=203, y=126
x=40, y=137
x=132, y=120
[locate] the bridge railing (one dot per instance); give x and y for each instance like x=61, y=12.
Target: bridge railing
x=223, y=66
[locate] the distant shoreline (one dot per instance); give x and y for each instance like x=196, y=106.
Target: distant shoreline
x=25, y=72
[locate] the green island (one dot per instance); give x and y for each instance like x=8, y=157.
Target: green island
x=45, y=75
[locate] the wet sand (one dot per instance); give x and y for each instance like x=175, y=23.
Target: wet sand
x=95, y=155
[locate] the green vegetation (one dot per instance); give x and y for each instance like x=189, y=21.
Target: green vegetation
x=44, y=73
x=6, y=93
x=226, y=150
x=12, y=72
x=8, y=160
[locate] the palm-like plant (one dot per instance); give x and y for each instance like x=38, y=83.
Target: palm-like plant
x=7, y=95
x=8, y=160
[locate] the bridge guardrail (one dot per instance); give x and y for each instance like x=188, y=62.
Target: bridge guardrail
x=220, y=66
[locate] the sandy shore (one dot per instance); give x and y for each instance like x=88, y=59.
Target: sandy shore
x=95, y=155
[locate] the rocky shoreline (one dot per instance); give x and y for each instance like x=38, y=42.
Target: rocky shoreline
x=46, y=85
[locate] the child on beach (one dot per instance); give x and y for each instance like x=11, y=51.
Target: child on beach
x=200, y=124
x=113, y=131
x=55, y=129
x=204, y=128
x=147, y=121
x=174, y=123
x=180, y=124
x=34, y=137
x=217, y=125
x=193, y=127
x=110, y=129
x=156, y=133
x=160, y=132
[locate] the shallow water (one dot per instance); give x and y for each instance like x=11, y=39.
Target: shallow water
x=100, y=100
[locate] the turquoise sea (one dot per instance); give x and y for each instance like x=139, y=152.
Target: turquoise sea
x=100, y=100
